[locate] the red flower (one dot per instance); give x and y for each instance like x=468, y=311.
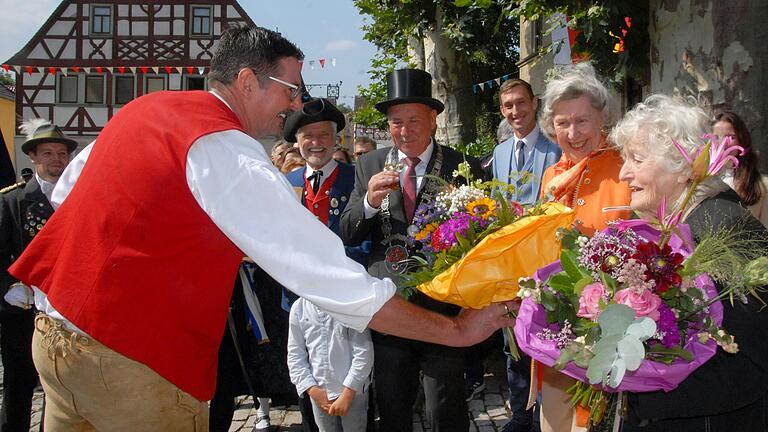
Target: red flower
x=437, y=245
x=662, y=265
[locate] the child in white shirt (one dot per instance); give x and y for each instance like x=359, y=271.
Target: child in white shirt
x=333, y=364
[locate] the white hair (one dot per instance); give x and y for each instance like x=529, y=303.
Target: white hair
x=334, y=126
x=655, y=123
x=571, y=83
x=30, y=126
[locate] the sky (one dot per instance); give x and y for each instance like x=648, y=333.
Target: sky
x=321, y=28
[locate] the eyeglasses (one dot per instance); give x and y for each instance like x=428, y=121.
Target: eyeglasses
x=295, y=90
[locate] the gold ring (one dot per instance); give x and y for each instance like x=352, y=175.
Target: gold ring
x=506, y=308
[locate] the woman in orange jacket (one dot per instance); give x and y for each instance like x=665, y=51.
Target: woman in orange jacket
x=574, y=113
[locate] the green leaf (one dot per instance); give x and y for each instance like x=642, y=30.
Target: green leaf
x=561, y=283
x=578, y=287
x=569, y=263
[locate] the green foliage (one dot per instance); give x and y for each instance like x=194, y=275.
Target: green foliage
x=7, y=79
x=599, y=23
x=344, y=108
x=485, y=36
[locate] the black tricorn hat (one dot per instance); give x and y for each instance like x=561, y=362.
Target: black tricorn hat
x=316, y=110
x=409, y=86
x=48, y=133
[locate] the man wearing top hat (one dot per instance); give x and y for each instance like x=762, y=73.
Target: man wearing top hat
x=23, y=212
x=382, y=205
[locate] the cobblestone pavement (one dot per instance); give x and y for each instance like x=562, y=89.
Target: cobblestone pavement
x=487, y=412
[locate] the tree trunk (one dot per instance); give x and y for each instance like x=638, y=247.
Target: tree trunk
x=713, y=53
x=452, y=85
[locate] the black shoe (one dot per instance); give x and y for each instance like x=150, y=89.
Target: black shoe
x=514, y=426
x=474, y=388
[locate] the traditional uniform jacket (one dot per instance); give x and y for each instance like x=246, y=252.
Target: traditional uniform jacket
x=544, y=154
x=330, y=202
x=23, y=213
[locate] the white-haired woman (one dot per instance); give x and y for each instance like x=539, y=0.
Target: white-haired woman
x=574, y=114
x=730, y=391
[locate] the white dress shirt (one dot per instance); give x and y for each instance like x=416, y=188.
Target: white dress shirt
x=234, y=182
x=421, y=170
x=322, y=352
x=327, y=169
x=46, y=187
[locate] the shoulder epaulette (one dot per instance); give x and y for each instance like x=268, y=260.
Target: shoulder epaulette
x=12, y=187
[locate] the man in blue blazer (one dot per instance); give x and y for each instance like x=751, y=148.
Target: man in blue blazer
x=521, y=161
x=528, y=146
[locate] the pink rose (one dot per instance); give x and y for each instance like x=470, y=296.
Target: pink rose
x=644, y=303
x=589, y=302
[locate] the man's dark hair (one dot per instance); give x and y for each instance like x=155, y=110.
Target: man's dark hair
x=250, y=47
x=514, y=82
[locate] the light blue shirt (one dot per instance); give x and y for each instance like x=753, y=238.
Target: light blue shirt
x=323, y=352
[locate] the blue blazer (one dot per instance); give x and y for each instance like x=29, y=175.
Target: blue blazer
x=545, y=153
x=340, y=190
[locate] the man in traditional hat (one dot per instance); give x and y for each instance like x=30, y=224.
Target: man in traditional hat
x=155, y=265
x=324, y=184
x=382, y=205
x=24, y=210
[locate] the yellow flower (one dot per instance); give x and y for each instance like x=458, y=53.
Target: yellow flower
x=427, y=230
x=483, y=207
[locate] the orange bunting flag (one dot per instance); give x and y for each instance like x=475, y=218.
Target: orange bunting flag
x=52, y=70
x=168, y=70
x=322, y=63
x=190, y=70
x=6, y=67
x=75, y=68
x=144, y=69
x=29, y=69
x=121, y=69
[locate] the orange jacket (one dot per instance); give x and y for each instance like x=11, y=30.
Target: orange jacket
x=598, y=190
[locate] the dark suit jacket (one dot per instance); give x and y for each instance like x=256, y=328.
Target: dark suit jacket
x=730, y=391
x=23, y=212
x=355, y=227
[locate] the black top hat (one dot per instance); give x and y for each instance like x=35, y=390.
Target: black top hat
x=314, y=111
x=48, y=134
x=409, y=86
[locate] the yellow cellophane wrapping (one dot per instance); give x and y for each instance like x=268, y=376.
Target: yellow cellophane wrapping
x=489, y=272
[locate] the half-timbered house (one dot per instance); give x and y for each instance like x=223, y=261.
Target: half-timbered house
x=92, y=57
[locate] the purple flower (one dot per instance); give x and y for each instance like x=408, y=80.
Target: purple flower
x=458, y=224
x=666, y=326
x=607, y=251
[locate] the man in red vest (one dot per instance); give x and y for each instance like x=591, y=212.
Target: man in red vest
x=134, y=271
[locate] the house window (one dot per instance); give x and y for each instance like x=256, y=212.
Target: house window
x=101, y=20
x=201, y=20
x=125, y=89
x=537, y=35
x=67, y=88
x=154, y=83
x=195, y=83
x=94, y=89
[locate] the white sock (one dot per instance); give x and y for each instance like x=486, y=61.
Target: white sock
x=263, y=410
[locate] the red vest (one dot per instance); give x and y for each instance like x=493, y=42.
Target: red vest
x=130, y=257
x=319, y=204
